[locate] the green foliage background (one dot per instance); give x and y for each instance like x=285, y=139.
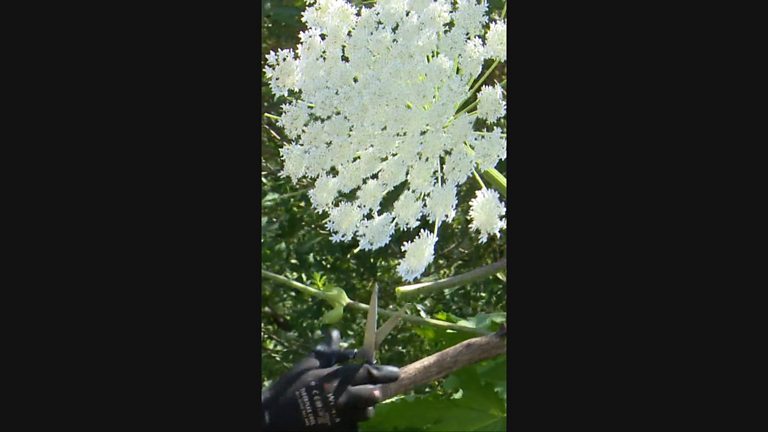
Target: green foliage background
x=296, y=244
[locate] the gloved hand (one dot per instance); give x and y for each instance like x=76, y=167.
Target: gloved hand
x=319, y=395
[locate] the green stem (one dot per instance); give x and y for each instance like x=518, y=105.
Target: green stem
x=497, y=180
x=504, y=11
x=271, y=116
x=455, y=281
x=480, y=82
x=472, y=91
x=364, y=307
x=293, y=284
x=467, y=108
x=418, y=320
x=493, y=176
x=477, y=177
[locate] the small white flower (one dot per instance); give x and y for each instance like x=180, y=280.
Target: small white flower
x=393, y=171
x=368, y=164
x=496, y=40
x=418, y=254
x=376, y=232
x=471, y=62
x=284, y=75
x=421, y=176
x=408, y=209
x=344, y=221
x=432, y=145
x=294, y=161
x=293, y=119
x=491, y=105
x=489, y=149
x=458, y=166
x=470, y=16
x=441, y=202
x=370, y=195
x=436, y=14
x=459, y=131
x=391, y=12
x=485, y=212
x=324, y=192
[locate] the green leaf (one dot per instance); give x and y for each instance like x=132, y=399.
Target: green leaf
x=474, y=404
x=427, y=333
x=434, y=413
x=487, y=321
x=447, y=316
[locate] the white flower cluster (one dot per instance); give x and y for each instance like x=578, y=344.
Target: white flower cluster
x=486, y=211
x=373, y=95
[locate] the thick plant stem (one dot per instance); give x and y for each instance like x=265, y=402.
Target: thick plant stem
x=462, y=279
x=444, y=362
x=494, y=177
x=364, y=307
x=293, y=284
x=467, y=108
x=497, y=180
x=480, y=82
x=479, y=180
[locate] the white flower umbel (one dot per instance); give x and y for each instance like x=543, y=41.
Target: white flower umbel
x=490, y=103
x=485, y=211
x=418, y=254
x=372, y=94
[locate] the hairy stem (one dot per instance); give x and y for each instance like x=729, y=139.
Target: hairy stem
x=364, y=307
x=418, y=320
x=455, y=281
x=293, y=284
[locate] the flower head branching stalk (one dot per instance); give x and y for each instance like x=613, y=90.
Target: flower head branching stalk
x=373, y=93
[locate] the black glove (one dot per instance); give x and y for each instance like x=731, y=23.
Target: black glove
x=319, y=395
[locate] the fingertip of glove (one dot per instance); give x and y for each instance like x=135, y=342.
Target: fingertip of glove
x=388, y=370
